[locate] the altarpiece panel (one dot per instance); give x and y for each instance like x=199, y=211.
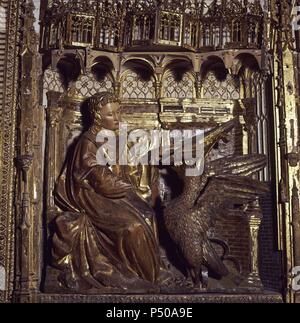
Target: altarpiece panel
x=228, y=67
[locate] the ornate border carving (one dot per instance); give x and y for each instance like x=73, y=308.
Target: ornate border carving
x=7, y=146
x=183, y=299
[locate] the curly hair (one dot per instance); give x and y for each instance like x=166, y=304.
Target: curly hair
x=99, y=100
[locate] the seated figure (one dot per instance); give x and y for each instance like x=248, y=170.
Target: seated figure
x=107, y=235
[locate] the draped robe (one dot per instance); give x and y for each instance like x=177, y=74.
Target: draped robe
x=100, y=240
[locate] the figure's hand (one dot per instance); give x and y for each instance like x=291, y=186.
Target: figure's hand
x=141, y=205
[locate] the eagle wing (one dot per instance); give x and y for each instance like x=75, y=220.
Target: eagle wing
x=229, y=189
x=230, y=185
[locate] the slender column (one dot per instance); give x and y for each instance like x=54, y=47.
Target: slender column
x=158, y=86
x=54, y=113
x=117, y=85
x=255, y=218
x=23, y=294
x=199, y=85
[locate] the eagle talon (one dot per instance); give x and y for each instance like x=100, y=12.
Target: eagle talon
x=199, y=278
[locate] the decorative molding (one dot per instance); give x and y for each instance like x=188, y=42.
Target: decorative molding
x=7, y=154
x=182, y=299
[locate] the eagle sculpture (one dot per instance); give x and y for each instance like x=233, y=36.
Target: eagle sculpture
x=224, y=188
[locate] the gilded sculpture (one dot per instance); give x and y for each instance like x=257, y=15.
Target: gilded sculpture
x=216, y=65
x=107, y=234
x=225, y=188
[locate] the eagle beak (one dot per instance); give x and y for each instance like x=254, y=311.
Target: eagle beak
x=213, y=136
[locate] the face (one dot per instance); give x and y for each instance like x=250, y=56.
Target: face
x=110, y=116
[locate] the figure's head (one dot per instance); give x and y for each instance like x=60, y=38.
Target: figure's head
x=104, y=108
